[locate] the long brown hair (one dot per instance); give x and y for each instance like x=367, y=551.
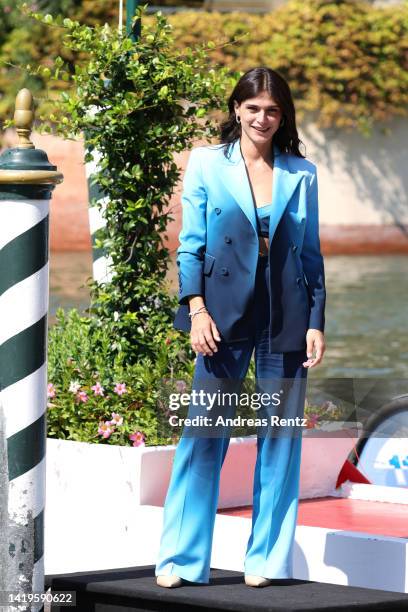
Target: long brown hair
x=252, y=83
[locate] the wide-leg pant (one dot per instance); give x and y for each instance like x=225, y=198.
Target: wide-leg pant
x=192, y=497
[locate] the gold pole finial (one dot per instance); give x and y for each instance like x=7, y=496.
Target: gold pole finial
x=24, y=118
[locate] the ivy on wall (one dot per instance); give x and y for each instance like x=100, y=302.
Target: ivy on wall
x=346, y=61
x=25, y=41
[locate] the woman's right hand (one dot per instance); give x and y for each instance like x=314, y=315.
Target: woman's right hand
x=204, y=334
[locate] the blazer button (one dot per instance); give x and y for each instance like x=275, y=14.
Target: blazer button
x=224, y=271
x=217, y=211
x=294, y=247
x=227, y=239
x=299, y=280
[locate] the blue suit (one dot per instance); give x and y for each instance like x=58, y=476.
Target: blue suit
x=260, y=304
x=218, y=252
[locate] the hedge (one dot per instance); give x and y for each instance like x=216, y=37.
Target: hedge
x=346, y=61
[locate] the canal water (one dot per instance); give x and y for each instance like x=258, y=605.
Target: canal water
x=366, y=314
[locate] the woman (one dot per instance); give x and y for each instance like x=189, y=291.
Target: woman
x=251, y=278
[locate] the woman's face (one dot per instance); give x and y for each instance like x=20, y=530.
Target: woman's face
x=260, y=117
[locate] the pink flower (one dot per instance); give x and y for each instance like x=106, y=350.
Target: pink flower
x=105, y=429
x=97, y=389
x=51, y=391
x=82, y=396
x=137, y=438
x=120, y=388
x=74, y=386
x=329, y=406
x=116, y=419
x=181, y=386
x=312, y=420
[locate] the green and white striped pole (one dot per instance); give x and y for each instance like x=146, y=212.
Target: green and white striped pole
x=101, y=262
x=26, y=181
x=132, y=32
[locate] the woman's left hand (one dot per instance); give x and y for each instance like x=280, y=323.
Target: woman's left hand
x=314, y=343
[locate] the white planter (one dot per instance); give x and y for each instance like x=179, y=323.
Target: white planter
x=97, y=494
x=323, y=457
x=322, y=460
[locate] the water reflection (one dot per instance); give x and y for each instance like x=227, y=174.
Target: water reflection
x=68, y=276
x=366, y=315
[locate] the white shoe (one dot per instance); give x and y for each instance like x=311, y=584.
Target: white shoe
x=169, y=581
x=257, y=581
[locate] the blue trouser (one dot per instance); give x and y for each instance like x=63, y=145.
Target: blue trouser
x=191, y=502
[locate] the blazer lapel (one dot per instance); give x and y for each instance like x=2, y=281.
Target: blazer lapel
x=284, y=185
x=234, y=178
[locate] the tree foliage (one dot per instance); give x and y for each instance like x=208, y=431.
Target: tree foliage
x=138, y=104
x=346, y=60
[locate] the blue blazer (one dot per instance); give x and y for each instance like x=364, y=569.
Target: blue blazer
x=218, y=253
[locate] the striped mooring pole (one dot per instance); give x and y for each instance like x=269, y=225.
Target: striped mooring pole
x=26, y=181
x=101, y=262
